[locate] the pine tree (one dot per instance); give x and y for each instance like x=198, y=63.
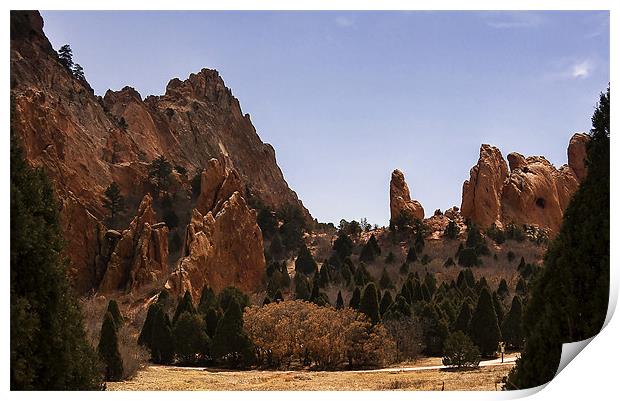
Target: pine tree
x=302, y=287
x=230, y=342
x=207, y=299
x=212, y=318
x=324, y=278
x=343, y=246
x=159, y=172
x=404, y=268
x=146, y=334
x=484, y=328
x=276, y=249
x=78, y=72
x=370, y=250
x=451, y=231
x=385, y=281
x=386, y=302
x=502, y=290
x=390, y=258
x=339, y=301
x=49, y=350
x=369, y=304
x=116, y=313
x=354, y=303
x=185, y=305
x=412, y=256
x=65, y=56
x=305, y=263
x=462, y=321
x=190, y=337
x=361, y=275
x=512, y=327
x=162, y=340
x=108, y=349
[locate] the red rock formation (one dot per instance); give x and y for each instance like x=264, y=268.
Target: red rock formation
x=79, y=139
x=140, y=256
x=533, y=193
x=223, y=244
x=400, y=198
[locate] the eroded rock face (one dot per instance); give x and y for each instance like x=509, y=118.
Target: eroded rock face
x=85, y=142
x=222, y=247
x=400, y=198
x=139, y=254
x=534, y=192
x=482, y=192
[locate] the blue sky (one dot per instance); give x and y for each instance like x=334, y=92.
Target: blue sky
x=346, y=97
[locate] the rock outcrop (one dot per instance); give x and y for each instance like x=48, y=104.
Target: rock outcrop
x=139, y=254
x=223, y=243
x=533, y=192
x=85, y=142
x=400, y=198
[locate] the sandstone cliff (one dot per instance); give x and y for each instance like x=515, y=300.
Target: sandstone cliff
x=533, y=192
x=85, y=142
x=400, y=198
x=223, y=243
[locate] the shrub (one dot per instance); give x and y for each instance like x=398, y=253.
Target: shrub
x=190, y=338
x=468, y=258
x=305, y=263
x=449, y=262
x=451, y=231
x=459, y=351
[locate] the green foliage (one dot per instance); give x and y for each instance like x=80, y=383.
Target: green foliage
x=146, y=334
x=404, y=268
x=339, y=301
x=49, y=350
x=231, y=293
x=400, y=309
x=425, y=260
x=190, y=338
x=208, y=299
x=412, y=256
x=499, y=308
x=65, y=56
x=514, y=233
x=370, y=250
x=302, y=287
x=496, y=234
x=435, y=329
x=362, y=277
x=343, y=246
x=568, y=299
x=451, y=231
x=386, y=302
x=185, y=305
x=369, y=304
x=114, y=201
x=385, y=281
x=292, y=228
x=484, y=328
x=159, y=172
x=354, y=303
x=230, y=343
x=502, y=289
x=465, y=279
x=459, y=351
x=462, y=321
x=390, y=258
x=276, y=248
x=512, y=327
x=162, y=341
x=115, y=312
x=468, y=258
x=305, y=263
x=108, y=349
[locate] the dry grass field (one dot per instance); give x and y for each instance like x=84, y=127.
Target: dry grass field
x=486, y=378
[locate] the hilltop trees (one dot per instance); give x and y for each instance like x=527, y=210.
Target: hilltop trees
x=49, y=350
x=568, y=301
x=65, y=56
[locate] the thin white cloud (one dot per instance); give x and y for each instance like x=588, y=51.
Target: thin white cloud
x=516, y=19
x=344, y=22
x=582, y=69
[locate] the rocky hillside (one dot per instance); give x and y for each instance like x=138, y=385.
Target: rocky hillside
x=86, y=142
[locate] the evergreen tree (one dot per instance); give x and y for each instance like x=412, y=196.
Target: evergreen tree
x=502, y=290
x=451, y=231
x=185, y=305
x=159, y=172
x=463, y=319
x=449, y=262
x=370, y=250
x=521, y=288
x=302, y=287
x=339, y=301
x=512, y=327
x=362, y=276
x=65, y=56
x=207, y=299
x=49, y=350
x=412, y=256
x=231, y=293
x=386, y=302
x=343, y=246
x=399, y=309
x=146, y=334
x=278, y=296
x=459, y=351
x=354, y=303
x=385, y=281
x=324, y=278
x=212, y=318
x=266, y=301
x=484, y=328
x=115, y=312
x=162, y=340
x=430, y=282
x=230, y=342
x=190, y=337
x=568, y=300
x=499, y=308
x=78, y=72
x=305, y=263
x=108, y=349
x=276, y=249
x=404, y=268
x=390, y=258
x=369, y=304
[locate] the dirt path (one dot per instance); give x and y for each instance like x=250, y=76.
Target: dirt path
x=426, y=374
